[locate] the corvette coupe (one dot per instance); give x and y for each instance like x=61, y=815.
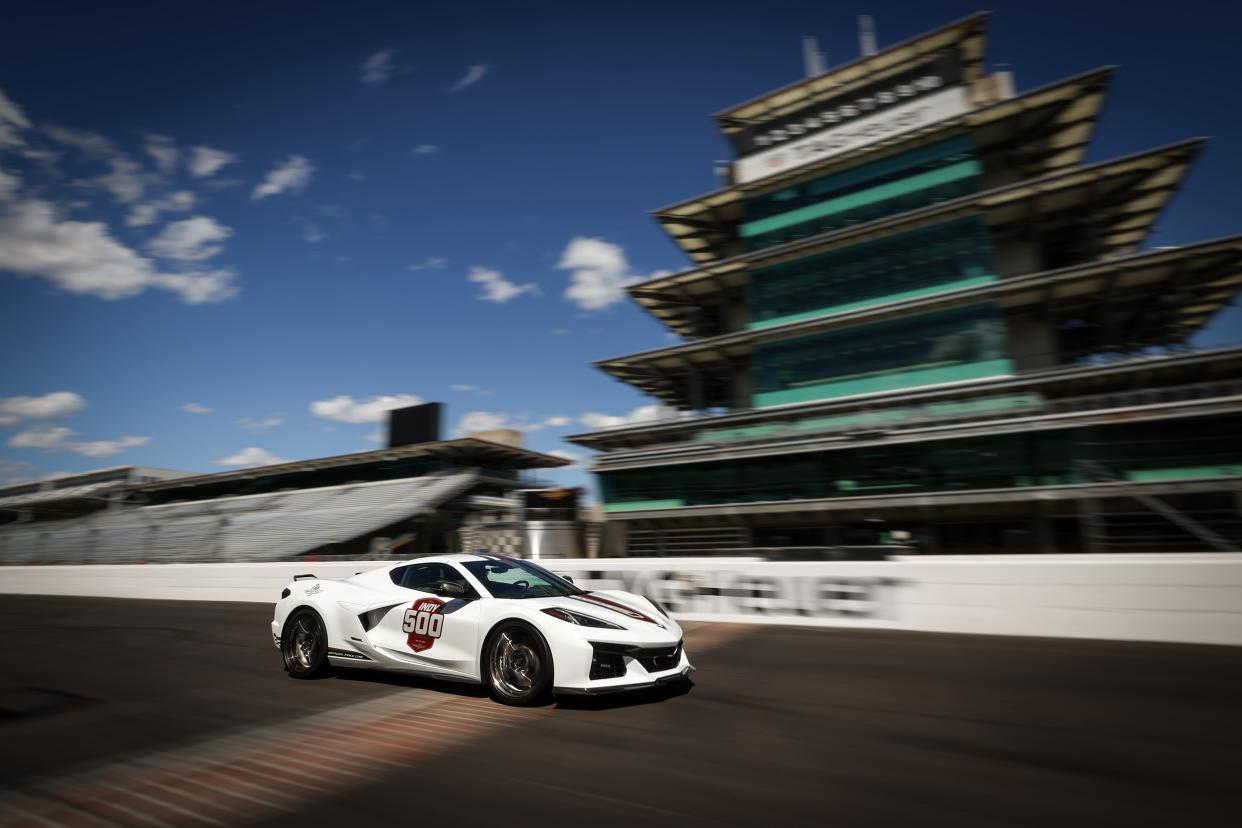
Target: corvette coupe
x=507, y=623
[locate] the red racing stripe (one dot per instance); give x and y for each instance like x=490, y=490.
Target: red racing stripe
x=608, y=603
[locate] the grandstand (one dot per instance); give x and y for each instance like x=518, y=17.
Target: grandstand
x=424, y=498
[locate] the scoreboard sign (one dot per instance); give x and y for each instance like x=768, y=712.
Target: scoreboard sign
x=550, y=499
x=932, y=93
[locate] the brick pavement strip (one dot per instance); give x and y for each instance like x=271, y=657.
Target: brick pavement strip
x=256, y=773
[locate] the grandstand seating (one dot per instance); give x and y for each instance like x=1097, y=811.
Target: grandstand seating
x=246, y=528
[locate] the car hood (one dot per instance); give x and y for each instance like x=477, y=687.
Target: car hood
x=623, y=608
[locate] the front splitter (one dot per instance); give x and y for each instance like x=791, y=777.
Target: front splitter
x=623, y=688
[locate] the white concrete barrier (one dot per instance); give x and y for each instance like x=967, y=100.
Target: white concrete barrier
x=1185, y=598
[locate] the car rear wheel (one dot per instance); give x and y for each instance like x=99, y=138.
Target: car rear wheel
x=304, y=644
x=517, y=665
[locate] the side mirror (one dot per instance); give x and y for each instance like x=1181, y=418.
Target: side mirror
x=448, y=589
x=566, y=577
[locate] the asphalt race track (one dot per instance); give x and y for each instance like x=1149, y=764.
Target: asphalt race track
x=177, y=713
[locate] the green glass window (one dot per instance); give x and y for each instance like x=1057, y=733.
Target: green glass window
x=1199, y=447
x=943, y=257
x=950, y=346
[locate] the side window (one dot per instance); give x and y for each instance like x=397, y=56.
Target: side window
x=453, y=575
x=417, y=576
x=422, y=576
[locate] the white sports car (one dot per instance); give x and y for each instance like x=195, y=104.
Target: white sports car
x=504, y=622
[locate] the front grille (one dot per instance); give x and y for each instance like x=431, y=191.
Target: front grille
x=657, y=659
x=608, y=660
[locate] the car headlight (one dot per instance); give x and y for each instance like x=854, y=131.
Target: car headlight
x=580, y=619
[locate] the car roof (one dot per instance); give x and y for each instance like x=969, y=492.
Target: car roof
x=456, y=557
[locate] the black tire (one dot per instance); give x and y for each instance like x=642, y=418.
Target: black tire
x=517, y=665
x=304, y=644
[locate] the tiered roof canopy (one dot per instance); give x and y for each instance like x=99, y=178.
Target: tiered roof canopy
x=1226, y=400
x=1144, y=376
x=967, y=37
x=1146, y=299
x=1120, y=199
x=1042, y=131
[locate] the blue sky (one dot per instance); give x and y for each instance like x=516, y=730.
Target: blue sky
x=278, y=212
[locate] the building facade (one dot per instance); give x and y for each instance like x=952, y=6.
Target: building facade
x=915, y=315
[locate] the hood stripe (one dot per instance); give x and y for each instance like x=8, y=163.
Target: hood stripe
x=608, y=603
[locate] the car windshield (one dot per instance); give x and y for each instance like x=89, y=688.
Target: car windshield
x=511, y=578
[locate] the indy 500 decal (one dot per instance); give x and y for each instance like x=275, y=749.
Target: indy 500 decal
x=424, y=622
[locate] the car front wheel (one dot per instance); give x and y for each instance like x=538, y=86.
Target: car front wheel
x=518, y=665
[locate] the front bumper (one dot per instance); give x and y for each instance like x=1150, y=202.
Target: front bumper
x=594, y=667
x=602, y=690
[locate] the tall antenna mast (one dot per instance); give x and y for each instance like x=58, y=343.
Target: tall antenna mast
x=812, y=57
x=866, y=34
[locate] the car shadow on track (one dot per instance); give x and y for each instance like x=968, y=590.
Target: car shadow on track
x=631, y=698
x=448, y=688
x=610, y=701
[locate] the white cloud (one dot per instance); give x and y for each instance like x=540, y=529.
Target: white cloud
x=346, y=409
x=108, y=448
x=378, y=68
x=313, y=234
x=60, y=438
x=476, y=421
x=539, y=425
x=430, y=263
x=261, y=424
x=642, y=414
x=205, y=161
x=199, y=287
x=496, y=288
x=12, y=122
x=9, y=185
x=492, y=420
x=191, y=240
x=195, y=408
x=56, y=404
x=248, y=457
x=425, y=149
x=90, y=143
x=466, y=388
x=82, y=257
x=473, y=75
x=125, y=181
x=48, y=438
x=149, y=211
x=162, y=151
x=374, y=437
x=600, y=273
x=290, y=176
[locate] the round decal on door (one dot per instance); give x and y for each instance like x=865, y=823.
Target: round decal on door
x=424, y=622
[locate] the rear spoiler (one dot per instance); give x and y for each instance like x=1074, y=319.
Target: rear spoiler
x=305, y=578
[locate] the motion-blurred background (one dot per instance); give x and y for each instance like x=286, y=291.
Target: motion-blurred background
x=920, y=401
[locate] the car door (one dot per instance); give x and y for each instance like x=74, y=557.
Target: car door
x=435, y=633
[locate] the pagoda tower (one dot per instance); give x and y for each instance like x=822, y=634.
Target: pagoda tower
x=916, y=318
